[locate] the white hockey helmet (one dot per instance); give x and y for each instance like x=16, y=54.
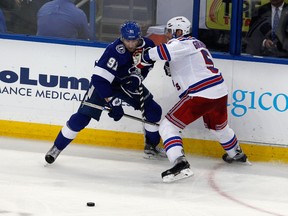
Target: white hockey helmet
x=179, y=22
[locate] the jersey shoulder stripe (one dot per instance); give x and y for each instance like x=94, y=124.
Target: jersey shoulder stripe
x=185, y=38
x=163, y=52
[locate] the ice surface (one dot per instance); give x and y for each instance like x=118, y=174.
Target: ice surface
x=123, y=183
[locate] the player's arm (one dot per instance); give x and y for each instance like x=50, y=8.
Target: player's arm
x=105, y=72
x=174, y=49
x=102, y=83
x=101, y=80
x=168, y=52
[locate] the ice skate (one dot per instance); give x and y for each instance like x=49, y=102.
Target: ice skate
x=180, y=170
x=151, y=152
x=240, y=157
x=52, y=154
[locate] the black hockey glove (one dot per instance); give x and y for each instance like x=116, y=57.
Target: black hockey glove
x=167, y=69
x=116, y=110
x=132, y=82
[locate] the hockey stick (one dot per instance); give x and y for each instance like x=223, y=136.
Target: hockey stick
x=141, y=101
x=126, y=115
x=142, y=111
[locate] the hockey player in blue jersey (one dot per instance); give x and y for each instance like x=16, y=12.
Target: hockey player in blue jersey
x=115, y=79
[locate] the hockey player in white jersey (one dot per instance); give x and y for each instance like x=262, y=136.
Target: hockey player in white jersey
x=202, y=93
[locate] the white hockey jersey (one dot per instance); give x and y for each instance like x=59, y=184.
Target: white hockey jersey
x=192, y=68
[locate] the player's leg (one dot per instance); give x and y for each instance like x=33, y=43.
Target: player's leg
x=75, y=124
x=174, y=149
x=216, y=122
x=67, y=134
x=183, y=113
x=152, y=113
x=230, y=144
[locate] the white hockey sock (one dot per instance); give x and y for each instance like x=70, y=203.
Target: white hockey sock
x=174, y=149
x=172, y=140
x=68, y=133
x=228, y=140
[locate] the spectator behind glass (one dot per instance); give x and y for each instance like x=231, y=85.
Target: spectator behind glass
x=267, y=32
x=6, y=6
x=3, y=28
x=9, y=4
x=61, y=18
x=21, y=18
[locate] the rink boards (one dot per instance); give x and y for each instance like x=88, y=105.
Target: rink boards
x=42, y=84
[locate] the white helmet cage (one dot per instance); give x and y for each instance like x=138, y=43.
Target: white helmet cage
x=179, y=22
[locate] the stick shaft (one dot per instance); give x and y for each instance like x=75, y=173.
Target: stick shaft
x=126, y=115
x=142, y=111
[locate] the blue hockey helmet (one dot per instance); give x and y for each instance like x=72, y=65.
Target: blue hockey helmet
x=130, y=30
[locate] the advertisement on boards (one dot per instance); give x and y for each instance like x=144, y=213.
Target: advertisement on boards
x=45, y=83
x=218, y=13
x=42, y=82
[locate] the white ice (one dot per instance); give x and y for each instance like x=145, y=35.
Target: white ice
x=123, y=183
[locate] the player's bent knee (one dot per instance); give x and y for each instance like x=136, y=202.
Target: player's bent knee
x=78, y=121
x=153, y=111
x=167, y=129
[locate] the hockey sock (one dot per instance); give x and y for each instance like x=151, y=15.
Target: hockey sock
x=75, y=124
x=228, y=140
x=174, y=148
x=152, y=135
x=65, y=136
x=172, y=140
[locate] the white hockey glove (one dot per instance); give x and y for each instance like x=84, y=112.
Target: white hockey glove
x=138, y=58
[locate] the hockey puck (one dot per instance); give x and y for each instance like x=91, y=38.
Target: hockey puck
x=90, y=204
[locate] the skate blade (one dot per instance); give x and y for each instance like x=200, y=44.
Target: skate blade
x=153, y=157
x=247, y=163
x=186, y=173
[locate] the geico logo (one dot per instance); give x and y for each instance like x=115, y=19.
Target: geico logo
x=45, y=80
x=243, y=101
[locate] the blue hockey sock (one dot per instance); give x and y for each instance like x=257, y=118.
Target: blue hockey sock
x=152, y=138
x=61, y=142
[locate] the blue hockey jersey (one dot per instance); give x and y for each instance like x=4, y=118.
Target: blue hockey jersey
x=114, y=66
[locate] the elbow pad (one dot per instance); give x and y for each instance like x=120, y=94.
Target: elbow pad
x=102, y=86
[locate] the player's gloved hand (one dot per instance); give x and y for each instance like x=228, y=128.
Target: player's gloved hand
x=116, y=110
x=167, y=69
x=139, y=60
x=132, y=82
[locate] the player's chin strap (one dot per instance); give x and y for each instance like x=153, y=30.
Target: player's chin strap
x=126, y=115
